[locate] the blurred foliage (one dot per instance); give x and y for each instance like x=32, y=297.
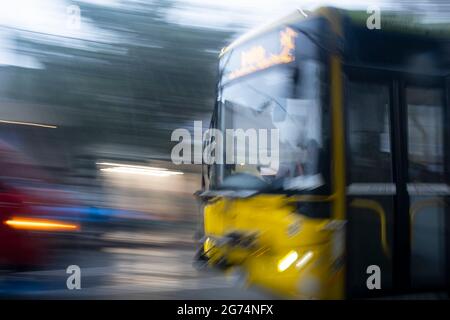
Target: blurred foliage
x=134, y=88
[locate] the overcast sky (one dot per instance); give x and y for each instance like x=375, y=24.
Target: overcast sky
x=51, y=16
x=226, y=14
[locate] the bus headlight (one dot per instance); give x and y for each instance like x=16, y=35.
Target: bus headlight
x=287, y=260
x=304, y=260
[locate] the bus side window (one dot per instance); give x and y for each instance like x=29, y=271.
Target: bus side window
x=427, y=186
x=425, y=135
x=369, y=133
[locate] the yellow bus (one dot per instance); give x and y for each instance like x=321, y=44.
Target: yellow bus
x=357, y=205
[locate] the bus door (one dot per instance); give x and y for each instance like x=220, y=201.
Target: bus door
x=371, y=188
x=397, y=184
x=426, y=147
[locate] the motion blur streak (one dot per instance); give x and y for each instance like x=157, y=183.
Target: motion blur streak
x=133, y=169
x=149, y=172
x=29, y=124
x=38, y=224
x=128, y=166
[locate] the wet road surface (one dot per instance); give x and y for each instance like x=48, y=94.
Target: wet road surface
x=158, y=266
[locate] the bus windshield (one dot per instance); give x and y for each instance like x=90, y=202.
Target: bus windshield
x=286, y=101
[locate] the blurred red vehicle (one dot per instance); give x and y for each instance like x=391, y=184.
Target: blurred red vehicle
x=24, y=236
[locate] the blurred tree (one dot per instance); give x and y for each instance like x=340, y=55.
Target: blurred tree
x=143, y=78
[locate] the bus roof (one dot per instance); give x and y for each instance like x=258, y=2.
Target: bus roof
x=402, y=23
x=391, y=22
